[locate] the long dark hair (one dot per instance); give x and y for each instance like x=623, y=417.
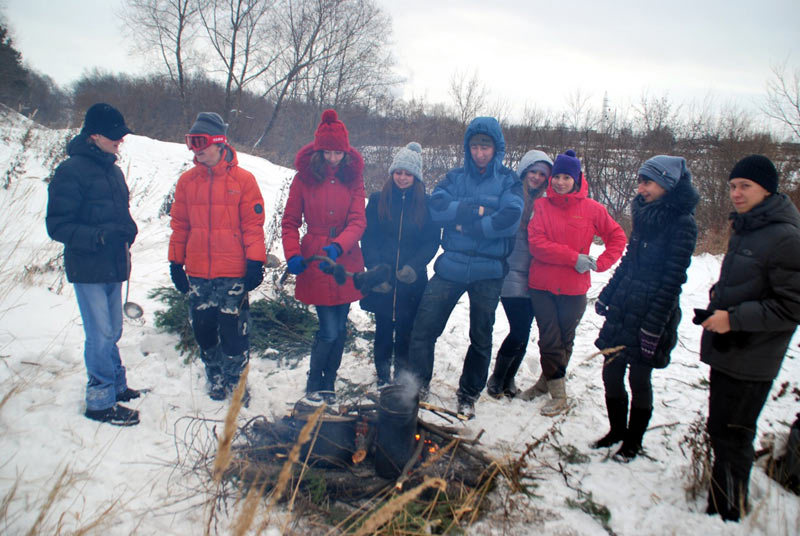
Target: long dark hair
x=318, y=165
x=530, y=195
x=419, y=210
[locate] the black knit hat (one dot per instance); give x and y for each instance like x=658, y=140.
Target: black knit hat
x=758, y=169
x=102, y=118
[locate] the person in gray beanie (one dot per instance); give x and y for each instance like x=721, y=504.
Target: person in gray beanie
x=218, y=206
x=753, y=313
x=640, y=303
x=533, y=170
x=399, y=233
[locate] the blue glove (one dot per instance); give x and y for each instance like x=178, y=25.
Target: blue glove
x=648, y=342
x=296, y=265
x=332, y=250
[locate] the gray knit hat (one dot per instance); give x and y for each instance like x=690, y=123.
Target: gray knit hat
x=410, y=159
x=530, y=159
x=209, y=123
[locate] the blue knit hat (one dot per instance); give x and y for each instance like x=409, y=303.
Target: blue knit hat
x=664, y=170
x=569, y=164
x=408, y=158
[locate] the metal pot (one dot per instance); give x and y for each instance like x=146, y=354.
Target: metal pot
x=335, y=443
x=397, y=428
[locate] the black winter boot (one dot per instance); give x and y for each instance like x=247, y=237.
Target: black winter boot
x=637, y=426
x=509, y=386
x=496, y=382
x=617, y=409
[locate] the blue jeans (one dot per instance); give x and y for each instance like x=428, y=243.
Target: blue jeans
x=100, y=305
x=438, y=301
x=332, y=321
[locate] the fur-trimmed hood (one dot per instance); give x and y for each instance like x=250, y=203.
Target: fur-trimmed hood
x=302, y=163
x=652, y=218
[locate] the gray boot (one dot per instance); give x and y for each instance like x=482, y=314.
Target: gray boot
x=538, y=389
x=558, y=402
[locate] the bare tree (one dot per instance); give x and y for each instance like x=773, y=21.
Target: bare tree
x=353, y=67
x=469, y=95
x=783, y=97
x=332, y=53
x=240, y=33
x=166, y=27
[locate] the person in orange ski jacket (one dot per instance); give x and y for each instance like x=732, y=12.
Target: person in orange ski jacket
x=217, y=251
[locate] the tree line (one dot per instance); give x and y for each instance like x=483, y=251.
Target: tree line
x=271, y=67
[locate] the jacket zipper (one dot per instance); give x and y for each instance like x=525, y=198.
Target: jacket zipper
x=397, y=257
x=210, y=191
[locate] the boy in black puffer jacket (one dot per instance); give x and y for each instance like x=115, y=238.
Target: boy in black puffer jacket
x=755, y=308
x=87, y=210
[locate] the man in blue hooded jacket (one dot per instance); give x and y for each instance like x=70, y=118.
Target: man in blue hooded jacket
x=479, y=207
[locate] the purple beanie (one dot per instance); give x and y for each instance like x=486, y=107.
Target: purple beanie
x=569, y=164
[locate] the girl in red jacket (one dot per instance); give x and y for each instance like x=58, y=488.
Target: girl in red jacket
x=328, y=194
x=560, y=235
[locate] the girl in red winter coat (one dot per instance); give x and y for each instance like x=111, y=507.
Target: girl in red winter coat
x=328, y=194
x=560, y=234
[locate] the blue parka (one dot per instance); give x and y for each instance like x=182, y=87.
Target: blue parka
x=477, y=249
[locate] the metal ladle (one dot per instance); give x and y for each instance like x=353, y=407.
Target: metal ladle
x=132, y=310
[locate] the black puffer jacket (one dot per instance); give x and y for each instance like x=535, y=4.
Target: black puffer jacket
x=643, y=292
x=87, y=197
x=759, y=285
x=385, y=242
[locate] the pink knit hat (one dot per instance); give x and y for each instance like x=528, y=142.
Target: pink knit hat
x=331, y=133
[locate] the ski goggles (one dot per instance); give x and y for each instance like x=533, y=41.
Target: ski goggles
x=198, y=142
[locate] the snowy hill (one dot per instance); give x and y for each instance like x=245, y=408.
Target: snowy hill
x=137, y=480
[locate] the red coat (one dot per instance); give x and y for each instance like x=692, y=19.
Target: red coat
x=333, y=212
x=562, y=226
x=217, y=220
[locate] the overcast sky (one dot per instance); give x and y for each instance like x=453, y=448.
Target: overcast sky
x=526, y=52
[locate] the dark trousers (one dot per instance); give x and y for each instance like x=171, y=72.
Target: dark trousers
x=438, y=301
x=392, y=337
x=519, y=312
x=733, y=409
x=638, y=378
x=219, y=311
x=557, y=316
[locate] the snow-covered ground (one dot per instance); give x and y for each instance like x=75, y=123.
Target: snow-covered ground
x=141, y=473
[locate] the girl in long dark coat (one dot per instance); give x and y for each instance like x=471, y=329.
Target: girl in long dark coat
x=399, y=233
x=640, y=302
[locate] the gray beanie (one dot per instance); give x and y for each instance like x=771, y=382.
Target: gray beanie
x=531, y=158
x=209, y=123
x=410, y=159
x=664, y=170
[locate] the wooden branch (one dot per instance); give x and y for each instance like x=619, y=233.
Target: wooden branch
x=431, y=407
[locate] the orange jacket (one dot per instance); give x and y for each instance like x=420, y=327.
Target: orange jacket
x=217, y=220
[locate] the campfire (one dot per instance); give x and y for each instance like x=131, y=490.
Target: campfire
x=361, y=455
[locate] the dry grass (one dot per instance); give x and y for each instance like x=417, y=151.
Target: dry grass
x=391, y=508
